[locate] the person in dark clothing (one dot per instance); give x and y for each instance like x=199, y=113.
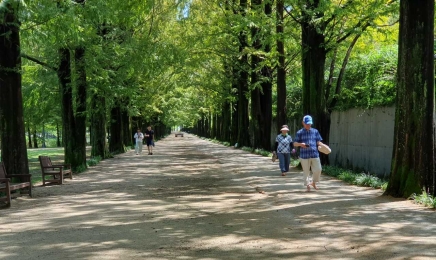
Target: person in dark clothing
x=149, y=137
x=283, y=148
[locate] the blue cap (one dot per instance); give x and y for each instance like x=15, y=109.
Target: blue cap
x=308, y=120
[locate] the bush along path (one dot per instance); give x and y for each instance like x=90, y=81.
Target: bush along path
x=194, y=199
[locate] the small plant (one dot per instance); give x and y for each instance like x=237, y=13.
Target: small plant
x=93, y=161
x=368, y=180
x=247, y=149
x=347, y=177
x=424, y=199
x=80, y=169
x=359, y=179
x=263, y=152
x=332, y=170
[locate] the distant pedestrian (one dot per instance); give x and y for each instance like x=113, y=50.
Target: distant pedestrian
x=149, y=137
x=283, y=149
x=138, y=145
x=308, y=139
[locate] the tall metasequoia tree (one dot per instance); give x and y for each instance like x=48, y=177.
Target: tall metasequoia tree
x=256, y=112
x=12, y=128
x=313, y=64
x=78, y=155
x=98, y=126
x=261, y=94
x=413, y=165
x=73, y=120
x=243, y=137
x=117, y=129
x=281, y=70
x=99, y=108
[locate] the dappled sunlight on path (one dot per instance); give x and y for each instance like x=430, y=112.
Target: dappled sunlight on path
x=193, y=199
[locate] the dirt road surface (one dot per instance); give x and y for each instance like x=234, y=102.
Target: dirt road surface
x=194, y=199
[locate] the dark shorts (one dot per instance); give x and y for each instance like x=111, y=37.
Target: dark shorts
x=149, y=142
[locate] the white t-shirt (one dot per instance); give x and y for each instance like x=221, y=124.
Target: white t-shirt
x=138, y=137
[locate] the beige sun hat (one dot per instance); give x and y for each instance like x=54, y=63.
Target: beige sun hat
x=325, y=149
x=284, y=128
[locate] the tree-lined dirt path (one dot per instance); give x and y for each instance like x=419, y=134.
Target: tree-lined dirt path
x=196, y=200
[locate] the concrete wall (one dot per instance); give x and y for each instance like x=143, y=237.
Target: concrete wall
x=363, y=139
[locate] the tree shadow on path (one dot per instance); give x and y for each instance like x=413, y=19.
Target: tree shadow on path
x=193, y=199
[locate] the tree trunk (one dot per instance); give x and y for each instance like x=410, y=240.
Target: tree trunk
x=127, y=130
x=64, y=75
x=234, y=126
x=78, y=158
x=413, y=166
x=261, y=94
x=43, y=136
x=266, y=95
x=281, y=71
x=226, y=121
x=29, y=136
x=206, y=125
x=243, y=138
x=58, y=134
x=35, y=138
x=98, y=126
x=213, y=131
x=256, y=111
x=73, y=127
x=116, y=144
x=13, y=137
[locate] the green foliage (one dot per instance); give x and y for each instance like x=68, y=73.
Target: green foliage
x=359, y=179
x=384, y=186
x=247, y=149
x=347, y=177
x=424, y=199
x=93, y=161
x=370, y=80
x=80, y=169
x=368, y=180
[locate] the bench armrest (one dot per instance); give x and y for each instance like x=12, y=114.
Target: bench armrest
x=18, y=175
x=62, y=165
x=51, y=167
x=4, y=180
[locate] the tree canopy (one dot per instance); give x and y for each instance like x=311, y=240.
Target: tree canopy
x=233, y=70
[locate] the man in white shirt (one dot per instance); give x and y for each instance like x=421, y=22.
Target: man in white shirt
x=138, y=137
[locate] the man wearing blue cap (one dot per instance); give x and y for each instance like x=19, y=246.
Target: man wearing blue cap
x=308, y=139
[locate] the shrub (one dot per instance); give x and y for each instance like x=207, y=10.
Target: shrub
x=359, y=179
x=93, y=161
x=368, y=180
x=80, y=169
x=332, y=170
x=424, y=199
x=247, y=149
x=347, y=177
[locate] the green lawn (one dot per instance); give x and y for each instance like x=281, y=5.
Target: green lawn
x=56, y=156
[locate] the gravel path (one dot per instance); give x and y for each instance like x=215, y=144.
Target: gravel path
x=196, y=200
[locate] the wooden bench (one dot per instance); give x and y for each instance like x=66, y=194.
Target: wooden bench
x=181, y=134
x=57, y=171
x=6, y=184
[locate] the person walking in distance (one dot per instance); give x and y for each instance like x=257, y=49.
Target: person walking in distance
x=139, y=136
x=283, y=148
x=308, y=139
x=149, y=137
